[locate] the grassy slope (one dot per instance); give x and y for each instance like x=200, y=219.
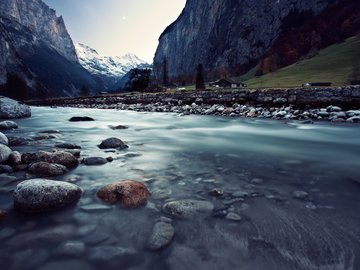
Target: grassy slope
x=333, y=64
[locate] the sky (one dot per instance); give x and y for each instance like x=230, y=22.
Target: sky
x=117, y=27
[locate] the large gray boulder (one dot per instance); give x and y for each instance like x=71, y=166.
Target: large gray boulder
x=10, y=108
x=41, y=195
x=4, y=153
x=3, y=139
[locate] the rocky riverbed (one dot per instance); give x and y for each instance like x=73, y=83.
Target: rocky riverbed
x=336, y=104
x=143, y=190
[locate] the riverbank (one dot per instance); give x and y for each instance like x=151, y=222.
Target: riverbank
x=337, y=104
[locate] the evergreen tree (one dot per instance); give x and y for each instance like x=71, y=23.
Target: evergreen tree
x=200, y=80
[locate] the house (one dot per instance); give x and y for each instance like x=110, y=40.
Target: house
x=226, y=83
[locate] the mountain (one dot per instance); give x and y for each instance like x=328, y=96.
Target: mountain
x=37, y=55
x=108, y=69
x=229, y=37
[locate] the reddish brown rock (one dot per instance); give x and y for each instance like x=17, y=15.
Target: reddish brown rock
x=130, y=194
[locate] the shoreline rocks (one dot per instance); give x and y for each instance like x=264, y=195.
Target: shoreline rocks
x=161, y=236
x=42, y=195
x=113, y=143
x=188, y=208
x=128, y=193
x=336, y=104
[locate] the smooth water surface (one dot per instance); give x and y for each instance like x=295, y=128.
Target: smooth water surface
x=186, y=158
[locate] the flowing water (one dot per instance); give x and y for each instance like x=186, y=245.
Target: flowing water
x=186, y=158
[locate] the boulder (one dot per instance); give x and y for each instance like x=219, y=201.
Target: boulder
x=28, y=158
x=49, y=169
x=4, y=153
x=188, y=208
x=10, y=108
x=81, y=119
x=8, y=125
x=14, y=158
x=64, y=158
x=3, y=139
x=5, y=169
x=113, y=143
x=41, y=195
x=161, y=236
x=94, y=161
x=130, y=194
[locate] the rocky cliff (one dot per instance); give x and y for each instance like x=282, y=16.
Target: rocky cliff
x=227, y=36
x=37, y=55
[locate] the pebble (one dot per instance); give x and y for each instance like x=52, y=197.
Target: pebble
x=300, y=194
x=161, y=236
x=188, y=208
x=233, y=216
x=8, y=125
x=91, y=161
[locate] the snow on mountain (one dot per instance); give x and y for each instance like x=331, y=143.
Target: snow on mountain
x=107, y=66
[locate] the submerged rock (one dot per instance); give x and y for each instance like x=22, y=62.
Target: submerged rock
x=8, y=125
x=41, y=195
x=3, y=139
x=161, y=236
x=4, y=153
x=67, y=146
x=188, y=208
x=130, y=194
x=300, y=194
x=10, y=108
x=119, y=127
x=81, y=119
x=113, y=143
x=109, y=253
x=49, y=169
x=91, y=161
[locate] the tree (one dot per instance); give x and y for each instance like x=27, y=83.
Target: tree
x=139, y=80
x=165, y=73
x=84, y=91
x=200, y=81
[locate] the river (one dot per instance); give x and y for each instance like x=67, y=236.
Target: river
x=257, y=164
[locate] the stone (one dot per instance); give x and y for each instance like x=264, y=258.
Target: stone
x=48, y=169
x=5, y=169
x=130, y=194
x=50, y=131
x=19, y=141
x=14, y=158
x=64, y=158
x=28, y=158
x=3, y=139
x=81, y=119
x=216, y=192
x=10, y=108
x=233, y=216
x=42, y=195
x=75, y=152
x=113, y=143
x=299, y=194
x=67, y=146
x=161, y=236
x=91, y=161
x=119, y=127
x=8, y=125
x=109, y=253
x=188, y=208
x=74, y=249
x=4, y=153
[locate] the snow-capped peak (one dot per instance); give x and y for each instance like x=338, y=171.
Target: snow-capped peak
x=108, y=66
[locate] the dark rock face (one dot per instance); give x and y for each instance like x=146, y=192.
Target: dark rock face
x=227, y=35
x=41, y=195
x=36, y=48
x=130, y=194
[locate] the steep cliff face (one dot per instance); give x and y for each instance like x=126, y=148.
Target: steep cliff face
x=37, y=55
x=227, y=35
x=42, y=21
